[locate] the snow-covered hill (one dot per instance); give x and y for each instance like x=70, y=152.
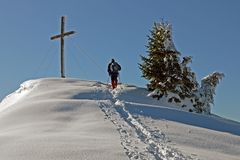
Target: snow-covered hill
x=71, y=119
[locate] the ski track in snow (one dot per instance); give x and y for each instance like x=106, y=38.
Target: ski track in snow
x=139, y=141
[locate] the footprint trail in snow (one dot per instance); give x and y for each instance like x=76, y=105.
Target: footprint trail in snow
x=139, y=141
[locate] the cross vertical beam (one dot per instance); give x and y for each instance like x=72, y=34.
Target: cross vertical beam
x=61, y=36
x=62, y=47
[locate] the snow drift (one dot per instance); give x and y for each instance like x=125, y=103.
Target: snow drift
x=73, y=119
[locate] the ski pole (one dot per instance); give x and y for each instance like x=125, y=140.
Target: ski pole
x=108, y=80
x=119, y=78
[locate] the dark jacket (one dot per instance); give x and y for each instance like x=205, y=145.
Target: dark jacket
x=112, y=72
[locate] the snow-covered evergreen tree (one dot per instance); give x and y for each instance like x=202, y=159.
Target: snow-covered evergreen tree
x=172, y=78
x=204, y=96
x=162, y=67
x=189, y=82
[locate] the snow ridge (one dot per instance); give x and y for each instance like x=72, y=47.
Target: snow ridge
x=25, y=88
x=96, y=122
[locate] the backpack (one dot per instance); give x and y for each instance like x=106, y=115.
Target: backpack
x=115, y=67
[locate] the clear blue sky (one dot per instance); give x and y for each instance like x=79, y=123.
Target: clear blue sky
x=207, y=30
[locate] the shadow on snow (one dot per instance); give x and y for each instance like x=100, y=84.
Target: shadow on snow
x=212, y=122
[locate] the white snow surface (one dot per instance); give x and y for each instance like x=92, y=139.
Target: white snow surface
x=72, y=119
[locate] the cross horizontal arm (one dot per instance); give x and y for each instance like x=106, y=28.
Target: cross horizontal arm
x=62, y=35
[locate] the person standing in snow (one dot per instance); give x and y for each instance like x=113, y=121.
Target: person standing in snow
x=113, y=71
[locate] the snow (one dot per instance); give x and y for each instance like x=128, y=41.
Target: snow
x=73, y=119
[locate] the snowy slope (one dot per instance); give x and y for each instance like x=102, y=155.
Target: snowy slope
x=72, y=119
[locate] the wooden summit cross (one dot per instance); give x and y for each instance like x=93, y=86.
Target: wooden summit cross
x=61, y=36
